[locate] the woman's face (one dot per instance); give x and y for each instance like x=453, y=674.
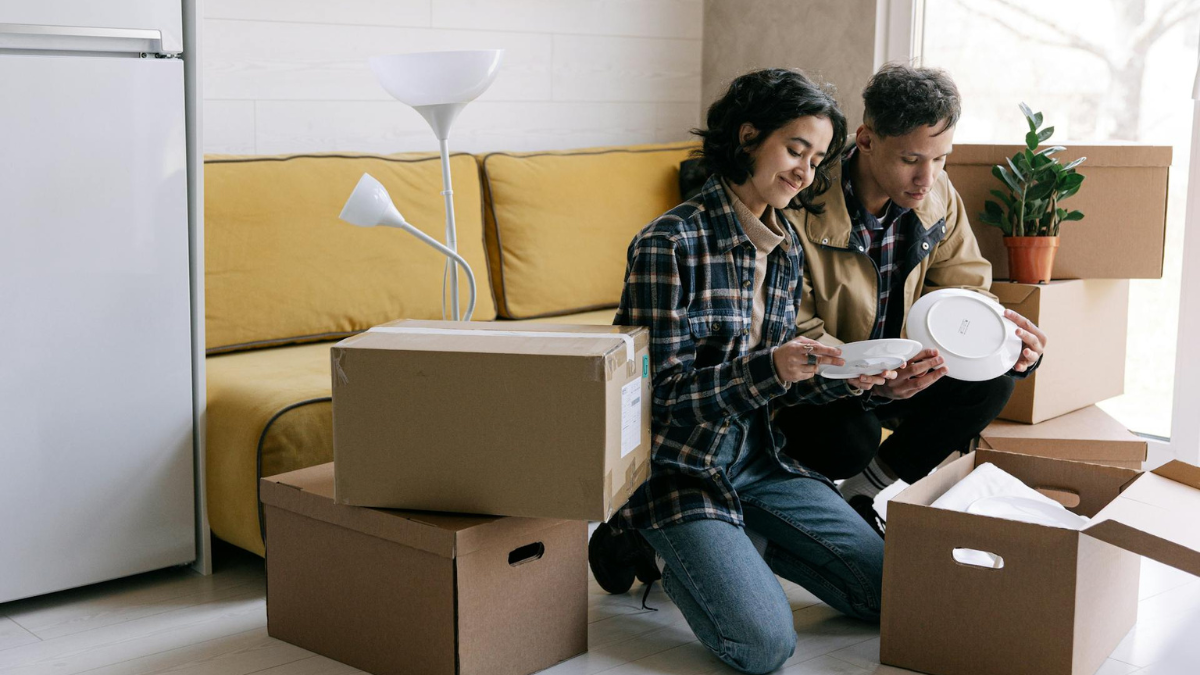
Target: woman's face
x=786, y=162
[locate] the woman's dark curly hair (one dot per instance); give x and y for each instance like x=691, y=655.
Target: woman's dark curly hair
x=768, y=100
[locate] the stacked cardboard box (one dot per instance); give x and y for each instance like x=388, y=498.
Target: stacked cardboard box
x=1088, y=435
x=1085, y=311
x=395, y=592
x=539, y=428
x=1085, y=322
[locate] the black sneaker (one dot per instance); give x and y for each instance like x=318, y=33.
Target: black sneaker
x=865, y=507
x=616, y=558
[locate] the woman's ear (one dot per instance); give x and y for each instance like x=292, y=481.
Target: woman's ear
x=746, y=133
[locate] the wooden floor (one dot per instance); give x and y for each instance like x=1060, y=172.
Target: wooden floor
x=175, y=621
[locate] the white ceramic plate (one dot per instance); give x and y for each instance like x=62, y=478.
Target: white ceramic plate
x=1027, y=510
x=871, y=357
x=969, y=331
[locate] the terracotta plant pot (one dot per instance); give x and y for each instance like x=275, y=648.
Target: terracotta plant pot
x=1031, y=259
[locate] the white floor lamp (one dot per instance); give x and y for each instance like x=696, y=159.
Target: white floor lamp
x=370, y=205
x=438, y=85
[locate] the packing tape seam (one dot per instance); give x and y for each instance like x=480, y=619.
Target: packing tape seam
x=627, y=339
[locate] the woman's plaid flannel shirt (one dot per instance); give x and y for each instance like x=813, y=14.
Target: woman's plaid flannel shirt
x=689, y=281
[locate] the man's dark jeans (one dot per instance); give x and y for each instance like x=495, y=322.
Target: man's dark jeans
x=841, y=438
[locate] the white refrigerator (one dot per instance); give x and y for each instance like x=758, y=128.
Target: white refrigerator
x=96, y=422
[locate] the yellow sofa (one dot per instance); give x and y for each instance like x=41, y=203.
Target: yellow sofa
x=546, y=234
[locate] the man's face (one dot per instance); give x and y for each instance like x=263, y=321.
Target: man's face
x=907, y=166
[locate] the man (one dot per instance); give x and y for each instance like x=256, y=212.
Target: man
x=896, y=230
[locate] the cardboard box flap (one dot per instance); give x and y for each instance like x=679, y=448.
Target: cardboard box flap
x=504, y=338
x=1156, y=517
x=1115, y=154
x=309, y=492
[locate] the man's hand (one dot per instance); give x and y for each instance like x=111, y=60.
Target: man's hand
x=798, y=359
x=915, y=376
x=1032, y=336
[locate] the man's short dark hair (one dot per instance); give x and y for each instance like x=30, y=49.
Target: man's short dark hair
x=900, y=98
x=768, y=100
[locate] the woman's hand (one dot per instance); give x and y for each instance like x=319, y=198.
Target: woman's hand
x=798, y=359
x=866, y=382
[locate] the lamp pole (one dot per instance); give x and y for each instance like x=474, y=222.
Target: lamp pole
x=451, y=234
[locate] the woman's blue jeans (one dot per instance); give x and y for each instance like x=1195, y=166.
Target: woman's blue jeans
x=728, y=592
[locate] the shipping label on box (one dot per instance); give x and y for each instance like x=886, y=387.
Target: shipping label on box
x=535, y=420
x=1086, y=323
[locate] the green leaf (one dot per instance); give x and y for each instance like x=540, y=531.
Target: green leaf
x=1016, y=172
x=1040, y=161
x=1074, y=215
x=999, y=172
x=1045, y=133
x=1067, y=193
x=1006, y=199
x=1037, y=119
x=993, y=210
x=1075, y=163
x=1040, y=190
x=1031, y=140
x=1028, y=116
x=1069, y=180
x=1051, y=150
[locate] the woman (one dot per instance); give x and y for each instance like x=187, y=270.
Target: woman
x=718, y=281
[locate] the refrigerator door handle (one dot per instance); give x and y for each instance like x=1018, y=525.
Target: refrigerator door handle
x=30, y=38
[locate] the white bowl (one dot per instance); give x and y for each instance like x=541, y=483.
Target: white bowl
x=871, y=357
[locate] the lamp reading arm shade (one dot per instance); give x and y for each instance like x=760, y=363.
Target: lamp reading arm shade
x=370, y=205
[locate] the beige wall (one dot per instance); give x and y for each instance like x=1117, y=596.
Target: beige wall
x=284, y=76
x=832, y=40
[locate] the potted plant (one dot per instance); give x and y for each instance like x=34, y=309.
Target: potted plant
x=1029, y=212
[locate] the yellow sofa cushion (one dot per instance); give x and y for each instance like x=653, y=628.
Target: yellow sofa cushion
x=280, y=267
x=558, y=224
x=269, y=412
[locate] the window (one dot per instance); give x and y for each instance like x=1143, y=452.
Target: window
x=1100, y=70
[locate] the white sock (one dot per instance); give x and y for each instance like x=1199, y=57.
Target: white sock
x=873, y=480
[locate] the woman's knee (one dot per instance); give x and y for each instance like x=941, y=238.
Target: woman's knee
x=763, y=646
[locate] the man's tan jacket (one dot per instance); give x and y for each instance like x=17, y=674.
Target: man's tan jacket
x=841, y=285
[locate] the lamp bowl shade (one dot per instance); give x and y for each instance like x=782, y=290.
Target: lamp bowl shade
x=369, y=205
x=437, y=78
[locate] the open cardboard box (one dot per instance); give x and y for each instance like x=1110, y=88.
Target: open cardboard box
x=540, y=421
x=1063, y=599
x=1088, y=435
x=1123, y=198
x=395, y=592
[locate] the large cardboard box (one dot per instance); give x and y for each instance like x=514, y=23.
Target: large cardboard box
x=548, y=421
x=1123, y=198
x=1085, y=323
x=1088, y=435
x=1062, y=600
x=395, y=592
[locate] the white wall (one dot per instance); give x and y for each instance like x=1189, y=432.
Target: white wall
x=284, y=76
